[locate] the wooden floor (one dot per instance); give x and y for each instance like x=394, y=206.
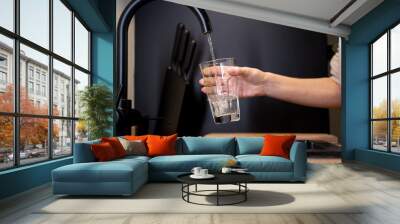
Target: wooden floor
x=379, y=189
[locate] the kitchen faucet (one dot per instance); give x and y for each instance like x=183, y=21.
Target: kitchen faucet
x=123, y=105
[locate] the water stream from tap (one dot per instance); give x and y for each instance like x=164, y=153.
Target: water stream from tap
x=210, y=44
x=224, y=107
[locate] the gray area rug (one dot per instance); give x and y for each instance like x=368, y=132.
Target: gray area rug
x=166, y=198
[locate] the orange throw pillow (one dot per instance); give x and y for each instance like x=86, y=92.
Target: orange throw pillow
x=277, y=145
x=142, y=138
x=103, y=152
x=161, y=145
x=116, y=145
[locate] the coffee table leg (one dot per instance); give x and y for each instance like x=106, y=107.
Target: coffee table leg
x=182, y=189
x=188, y=189
x=185, y=187
x=195, y=188
x=217, y=194
x=245, y=193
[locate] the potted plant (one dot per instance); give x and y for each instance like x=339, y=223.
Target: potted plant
x=96, y=103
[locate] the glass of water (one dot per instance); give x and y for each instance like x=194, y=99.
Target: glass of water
x=223, y=99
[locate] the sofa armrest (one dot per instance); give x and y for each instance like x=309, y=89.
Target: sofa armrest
x=83, y=152
x=298, y=155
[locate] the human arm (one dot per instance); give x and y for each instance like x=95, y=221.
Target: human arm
x=314, y=92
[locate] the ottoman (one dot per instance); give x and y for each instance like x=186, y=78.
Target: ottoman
x=119, y=177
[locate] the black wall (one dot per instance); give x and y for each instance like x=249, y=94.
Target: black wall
x=266, y=46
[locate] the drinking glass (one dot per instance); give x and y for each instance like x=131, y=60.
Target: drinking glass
x=223, y=100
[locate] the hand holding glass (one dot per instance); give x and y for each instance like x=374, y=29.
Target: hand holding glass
x=223, y=100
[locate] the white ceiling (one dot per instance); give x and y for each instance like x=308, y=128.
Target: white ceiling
x=315, y=15
x=321, y=9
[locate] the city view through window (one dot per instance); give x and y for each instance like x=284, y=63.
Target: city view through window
x=39, y=113
x=385, y=91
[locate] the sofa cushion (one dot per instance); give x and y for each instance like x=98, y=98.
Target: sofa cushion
x=135, y=147
x=103, y=152
x=204, y=145
x=185, y=163
x=133, y=157
x=277, y=145
x=161, y=145
x=116, y=145
x=249, y=145
x=112, y=171
x=136, y=137
x=83, y=152
x=257, y=163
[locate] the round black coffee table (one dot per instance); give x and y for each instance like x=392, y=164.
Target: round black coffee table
x=238, y=179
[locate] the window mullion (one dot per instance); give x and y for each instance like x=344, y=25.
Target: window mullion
x=389, y=104
x=16, y=69
x=371, y=89
x=50, y=81
x=73, y=82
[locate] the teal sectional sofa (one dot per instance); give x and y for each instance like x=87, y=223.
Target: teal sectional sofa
x=125, y=176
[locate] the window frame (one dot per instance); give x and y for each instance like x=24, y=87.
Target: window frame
x=388, y=74
x=16, y=114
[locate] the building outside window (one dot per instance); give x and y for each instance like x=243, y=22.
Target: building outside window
x=57, y=125
x=3, y=77
x=37, y=74
x=3, y=80
x=30, y=72
x=30, y=87
x=3, y=61
x=3, y=72
x=43, y=90
x=55, y=97
x=38, y=89
x=385, y=91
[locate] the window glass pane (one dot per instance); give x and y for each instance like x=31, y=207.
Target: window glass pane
x=7, y=14
x=81, y=81
x=33, y=139
x=62, y=89
x=379, y=135
x=379, y=55
x=395, y=94
x=6, y=74
x=6, y=142
x=395, y=136
x=81, y=45
x=34, y=97
x=81, y=131
x=379, y=97
x=35, y=21
x=62, y=29
x=62, y=138
x=395, y=47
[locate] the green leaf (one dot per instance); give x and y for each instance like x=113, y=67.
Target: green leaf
x=96, y=102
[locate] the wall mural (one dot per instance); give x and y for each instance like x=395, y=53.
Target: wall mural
x=302, y=60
